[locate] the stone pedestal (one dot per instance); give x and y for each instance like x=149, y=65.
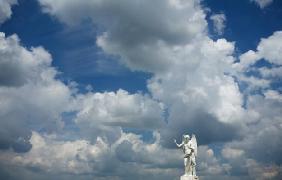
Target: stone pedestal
x=189, y=177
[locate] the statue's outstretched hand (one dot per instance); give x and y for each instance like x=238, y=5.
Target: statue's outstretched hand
x=175, y=141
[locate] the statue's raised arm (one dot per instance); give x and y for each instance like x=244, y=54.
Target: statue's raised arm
x=178, y=145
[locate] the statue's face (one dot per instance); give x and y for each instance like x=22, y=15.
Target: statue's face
x=186, y=138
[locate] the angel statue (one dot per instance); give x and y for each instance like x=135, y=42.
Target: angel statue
x=189, y=147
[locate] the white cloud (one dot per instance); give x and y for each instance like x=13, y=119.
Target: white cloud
x=270, y=48
x=35, y=100
x=254, y=83
x=208, y=165
x=50, y=154
x=274, y=95
x=218, y=23
x=55, y=156
x=197, y=90
x=27, y=75
x=260, y=147
x=261, y=171
x=18, y=65
x=175, y=52
x=30, y=95
x=5, y=9
x=271, y=72
x=247, y=59
x=105, y=113
x=189, y=69
x=262, y=3
x=136, y=31
x=231, y=153
x=120, y=108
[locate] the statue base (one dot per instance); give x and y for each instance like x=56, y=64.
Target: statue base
x=189, y=177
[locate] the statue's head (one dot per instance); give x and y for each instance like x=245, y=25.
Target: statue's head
x=186, y=138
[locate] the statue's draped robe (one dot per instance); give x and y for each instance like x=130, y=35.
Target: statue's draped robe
x=189, y=158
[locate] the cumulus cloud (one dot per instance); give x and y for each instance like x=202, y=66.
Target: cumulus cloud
x=105, y=113
x=261, y=171
x=6, y=9
x=121, y=109
x=259, y=149
x=197, y=94
x=269, y=73
x=32, y=96
x=267, y=127
x=51, y=155
x=230, y=153
x=247, y=59
x=209, y=166
x=268, y=50
x=19, y=65
x=190, y=70
x=189, y=56
x=80, y=157
x=262, y=3
x=218, y=23
x=33, y=100
x=136, y=31
x=183, y=79
x=29, y=93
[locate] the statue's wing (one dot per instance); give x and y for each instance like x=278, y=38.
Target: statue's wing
x=194, y=143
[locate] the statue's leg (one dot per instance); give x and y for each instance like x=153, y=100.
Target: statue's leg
x=194, y=170
x=190, y=166
x=186, y=165
x=193, y=163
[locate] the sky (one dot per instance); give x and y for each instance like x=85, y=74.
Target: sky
x=98, y=89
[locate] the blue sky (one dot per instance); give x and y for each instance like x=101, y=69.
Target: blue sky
x=99, y=89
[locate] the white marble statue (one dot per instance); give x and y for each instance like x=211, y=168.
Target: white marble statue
x=189, y=147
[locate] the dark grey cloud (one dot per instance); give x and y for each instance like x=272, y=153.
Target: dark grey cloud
x=260, y=148
x=262, y=136
x=207, y=128
x=124, y=152
x=18, y=140
x=266, y=145
x=11, y=74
